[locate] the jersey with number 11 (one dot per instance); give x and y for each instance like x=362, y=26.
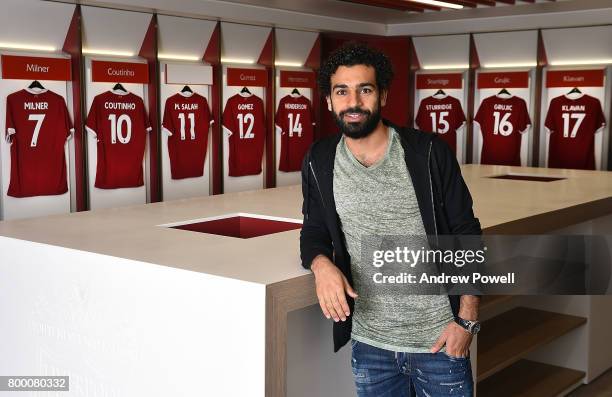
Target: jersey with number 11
x=120, y=123
x=244, y=118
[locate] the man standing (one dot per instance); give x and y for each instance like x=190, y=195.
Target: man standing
x=377, y=179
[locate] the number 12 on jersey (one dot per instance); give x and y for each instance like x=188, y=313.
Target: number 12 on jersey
x=246, y=119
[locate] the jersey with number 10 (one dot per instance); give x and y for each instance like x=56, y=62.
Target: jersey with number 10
x=294, y=118
x=187, y=119
x=573, y=124
x=443, y=116
x=37, y=125
x=120, y=124
x=502, y=122
x=244, y=118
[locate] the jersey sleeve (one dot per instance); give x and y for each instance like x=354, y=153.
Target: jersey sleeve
x=145, y=117
x=91, y=124
x=280, y=117
x=206, y=109
x=601, y=118
x=167, y=124
x=420, y=119
x=10, y=124
x=229, y=119
x=67, y=122
x=525, y=120
x=459, y=115
x=480, y=114
x=550, y=118
x=311, y=111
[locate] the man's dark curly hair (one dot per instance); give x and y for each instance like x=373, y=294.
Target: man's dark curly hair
x=354, y=53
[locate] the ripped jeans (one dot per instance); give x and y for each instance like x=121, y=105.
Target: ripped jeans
x=384, y=373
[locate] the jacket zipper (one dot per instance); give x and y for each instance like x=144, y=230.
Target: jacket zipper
x=433, y=208
x=316, y=182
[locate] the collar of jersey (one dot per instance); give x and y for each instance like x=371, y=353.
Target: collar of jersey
x=187, y=94
x=119, y=92
x=36, y=91
x=245, y=95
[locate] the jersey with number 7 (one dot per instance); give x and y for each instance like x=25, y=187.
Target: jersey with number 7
x=573, y=124
x=244, y=119
x=37, y=126
x=120, y=124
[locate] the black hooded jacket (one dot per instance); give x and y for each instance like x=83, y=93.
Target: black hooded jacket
x=444, y=201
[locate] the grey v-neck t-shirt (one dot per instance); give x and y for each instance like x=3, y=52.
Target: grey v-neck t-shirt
x=380, y=201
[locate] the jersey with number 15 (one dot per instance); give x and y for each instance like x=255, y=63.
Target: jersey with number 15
x=443, y=116
x=120, y=124
x=244, y=118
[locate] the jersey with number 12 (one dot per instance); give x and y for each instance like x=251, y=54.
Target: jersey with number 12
x=244, y=118
x=573, y=123
x=120, y=124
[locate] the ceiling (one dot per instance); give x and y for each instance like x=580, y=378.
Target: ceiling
x=417, y=6
x=382, y=17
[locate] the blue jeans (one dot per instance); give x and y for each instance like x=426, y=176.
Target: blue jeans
x=384, y=373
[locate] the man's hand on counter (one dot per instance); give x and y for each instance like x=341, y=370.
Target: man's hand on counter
x=332, y=288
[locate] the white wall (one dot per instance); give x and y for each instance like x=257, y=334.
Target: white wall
x=27, y=207
x=291, y=46
x=32, y=22
x=119, y=327
x=242, y=42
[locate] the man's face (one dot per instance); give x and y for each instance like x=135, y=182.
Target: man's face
x=355, y=100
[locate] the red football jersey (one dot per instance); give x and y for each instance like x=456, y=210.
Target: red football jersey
x=120, y=124
x=187, y=120
x=502, y=121
x=294, y=117
x=37, y=126
x=573, y=123
x=441, y=115
x=244, y=118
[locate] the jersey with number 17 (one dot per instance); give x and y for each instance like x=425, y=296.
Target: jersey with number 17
x=120, y=124
x=573, y=124
x=244, y=118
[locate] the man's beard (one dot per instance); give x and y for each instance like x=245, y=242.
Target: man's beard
x=361, y=129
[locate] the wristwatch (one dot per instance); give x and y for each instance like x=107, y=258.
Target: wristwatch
x=470, y=326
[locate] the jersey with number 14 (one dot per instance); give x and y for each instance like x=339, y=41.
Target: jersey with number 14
x=502, y=122
x=295, y=120
x=573, y=123
x=120, y=124
x=244, y=118
x=443, y=116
